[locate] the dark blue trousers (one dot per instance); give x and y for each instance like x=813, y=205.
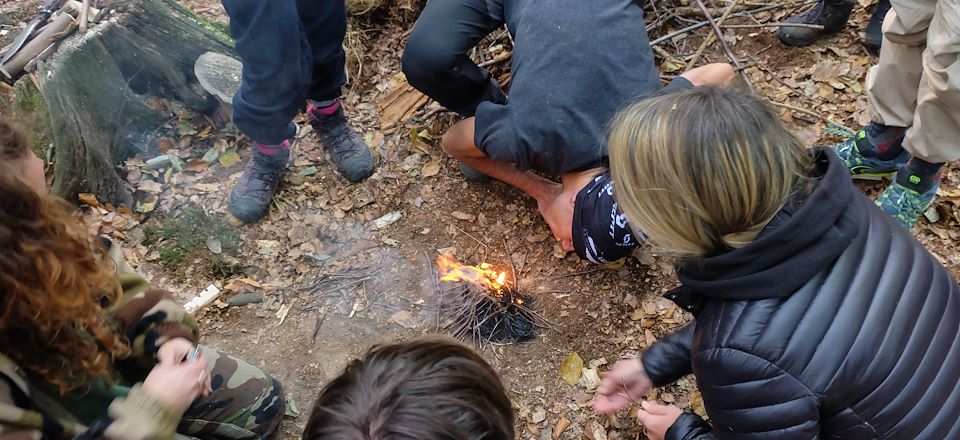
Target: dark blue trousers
x=292, y=50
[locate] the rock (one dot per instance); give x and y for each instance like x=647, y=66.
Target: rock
x=245, y=298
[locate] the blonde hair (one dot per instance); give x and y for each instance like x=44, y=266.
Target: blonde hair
x=704, y=170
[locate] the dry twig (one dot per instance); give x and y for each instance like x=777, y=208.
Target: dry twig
x=723, y=43
x=765, y=25
x=809, y=113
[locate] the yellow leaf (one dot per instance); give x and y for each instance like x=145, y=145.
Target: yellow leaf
x=89, y=199
x=571, y=369
x=229, y=159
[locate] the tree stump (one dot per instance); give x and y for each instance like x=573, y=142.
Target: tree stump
x=107, y=89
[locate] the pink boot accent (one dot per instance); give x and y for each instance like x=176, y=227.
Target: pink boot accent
x=323, y=111
x=270, y=150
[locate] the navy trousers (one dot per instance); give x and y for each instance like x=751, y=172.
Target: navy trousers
x=292, y=50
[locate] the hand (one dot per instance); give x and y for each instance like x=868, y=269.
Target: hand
x=622, y=386
x=174, y=351
x=178, y=384
x=657, y=418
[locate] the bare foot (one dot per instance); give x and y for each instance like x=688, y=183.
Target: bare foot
x=557, y=210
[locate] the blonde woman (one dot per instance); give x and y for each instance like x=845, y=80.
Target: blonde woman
x=804, y=328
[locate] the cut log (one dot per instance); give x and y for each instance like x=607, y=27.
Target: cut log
x=105, y=90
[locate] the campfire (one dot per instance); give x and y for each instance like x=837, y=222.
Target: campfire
x=481, y=304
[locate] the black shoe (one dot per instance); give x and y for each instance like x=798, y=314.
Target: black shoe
x=874, y=32
x=472, y=175
x=251, y=197
x=347, y=149
x=833, y=18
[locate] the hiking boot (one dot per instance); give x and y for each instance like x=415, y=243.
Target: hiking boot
x=831, y=15
x=874, y=33
x=904, y=201
x=859, y=153
x=251, y=197
x=472, y=175
x=349, y=152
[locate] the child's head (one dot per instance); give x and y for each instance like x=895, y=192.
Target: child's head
x=429, y=388
x=703, y=170
x=17, y=160
x=52, y=282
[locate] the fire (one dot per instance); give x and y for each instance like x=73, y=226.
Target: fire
x=483, y=275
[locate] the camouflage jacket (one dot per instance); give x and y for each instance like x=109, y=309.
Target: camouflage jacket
x=31, y=410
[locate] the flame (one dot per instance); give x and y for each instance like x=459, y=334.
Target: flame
x=482, y=275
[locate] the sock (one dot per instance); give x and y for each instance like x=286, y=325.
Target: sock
x=325, y=108
x=887, y=141
x=271, y=150
x=920, y=175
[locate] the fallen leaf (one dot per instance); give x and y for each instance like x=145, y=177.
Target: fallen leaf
x=282, y=313
x=572, y=368
x=150, y=186
x=390, y=242
x=597, y=430
x=538, y=415
x=196, y=166
x=430, y=169
x=214, y=246
x=560, y=427
x=463, y=216
x=211, y=155
x=405, y=319
x=538, y=237
x=229, y=159
x=589, y=379
x=164, y=144
x=89, y=199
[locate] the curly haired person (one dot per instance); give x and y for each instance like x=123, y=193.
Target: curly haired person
x=88, y=349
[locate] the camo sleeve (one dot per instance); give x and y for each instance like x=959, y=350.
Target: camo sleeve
x=23, y=416
x=150, y=317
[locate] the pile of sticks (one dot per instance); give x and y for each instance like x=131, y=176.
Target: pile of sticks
x=41, y=37
x=474, y=312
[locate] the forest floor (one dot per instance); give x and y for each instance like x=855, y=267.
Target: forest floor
x=385, y=286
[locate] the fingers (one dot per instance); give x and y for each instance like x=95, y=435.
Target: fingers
x=568, y=245
x=610, y=403
x=653, y=407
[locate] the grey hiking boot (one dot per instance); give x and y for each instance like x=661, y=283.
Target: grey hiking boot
x=346, y=148
x=831, y=14
x=251, y=197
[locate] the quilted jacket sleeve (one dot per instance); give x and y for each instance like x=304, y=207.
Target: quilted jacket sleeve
x=748, y=397
x=668, y=359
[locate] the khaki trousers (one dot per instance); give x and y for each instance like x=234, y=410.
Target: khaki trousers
x=916, y=84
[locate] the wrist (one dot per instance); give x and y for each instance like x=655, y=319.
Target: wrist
x=141, y=415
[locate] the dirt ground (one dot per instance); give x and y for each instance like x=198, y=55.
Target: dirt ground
x=321, y=228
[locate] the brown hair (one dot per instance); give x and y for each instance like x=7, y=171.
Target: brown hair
x=53, y=285
x=430, y=388
x=704, y=170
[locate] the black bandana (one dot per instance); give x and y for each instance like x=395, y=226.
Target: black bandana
x=600, y=230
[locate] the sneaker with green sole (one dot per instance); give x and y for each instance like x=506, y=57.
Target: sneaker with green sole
x=903, y=202
x=866, y=167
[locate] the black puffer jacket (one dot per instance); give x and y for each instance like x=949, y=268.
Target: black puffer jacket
x=834, y=324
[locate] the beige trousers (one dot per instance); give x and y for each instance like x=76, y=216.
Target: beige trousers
x=916, y=84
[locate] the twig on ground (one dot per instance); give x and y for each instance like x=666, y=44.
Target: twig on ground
x=723, y=42
x=779, y=24
x=701, y=24
x=809, y=113
x=499, y=59
x=513, y=266
x=586, y=272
